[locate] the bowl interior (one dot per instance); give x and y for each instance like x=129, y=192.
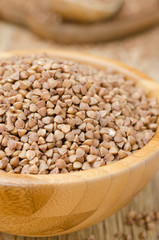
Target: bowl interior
x=150, y=87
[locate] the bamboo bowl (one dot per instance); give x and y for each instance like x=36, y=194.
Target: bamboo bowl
x=45, y=205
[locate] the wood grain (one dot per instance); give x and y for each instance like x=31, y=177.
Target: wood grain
x=135, y=54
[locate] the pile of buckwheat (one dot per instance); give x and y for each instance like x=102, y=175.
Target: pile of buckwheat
x=59, y=116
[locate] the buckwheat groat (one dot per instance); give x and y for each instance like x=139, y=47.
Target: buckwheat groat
x=59, y=116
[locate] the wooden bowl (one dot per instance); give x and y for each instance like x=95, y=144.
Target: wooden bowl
x=68, y=32
x=83, y=11
x=45, y=205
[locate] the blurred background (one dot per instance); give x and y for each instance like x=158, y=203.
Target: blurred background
x=94, y=30
x=124, y=30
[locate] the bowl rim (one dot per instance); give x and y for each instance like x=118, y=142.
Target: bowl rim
x=151, y=149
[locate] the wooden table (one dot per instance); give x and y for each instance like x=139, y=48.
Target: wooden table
x=142, y=52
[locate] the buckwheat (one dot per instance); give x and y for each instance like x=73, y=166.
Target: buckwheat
x=91, y=158
x=77, y=165
x=30, y=154
x=60, y=163
x=55, y=117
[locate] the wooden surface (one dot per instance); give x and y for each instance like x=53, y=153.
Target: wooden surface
x=133, y=52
